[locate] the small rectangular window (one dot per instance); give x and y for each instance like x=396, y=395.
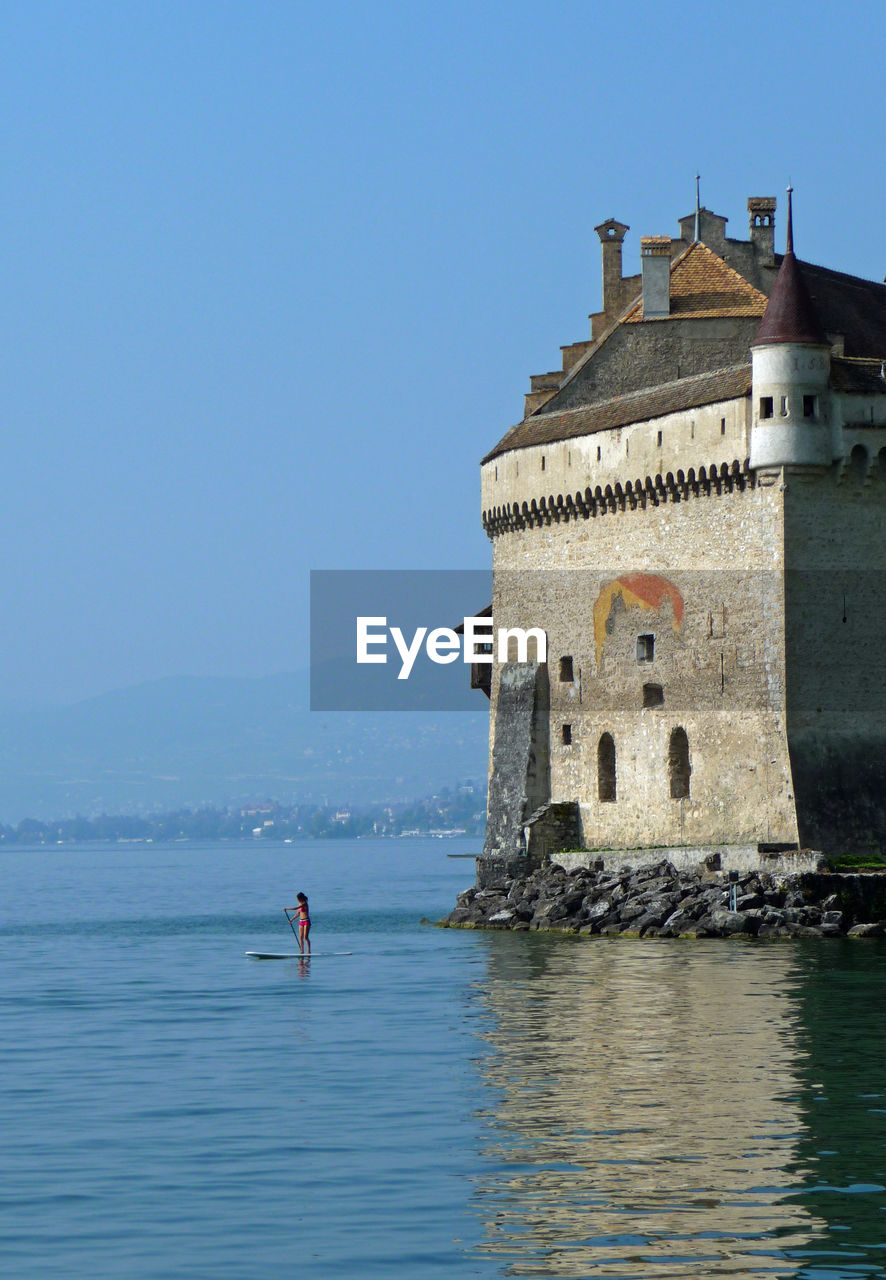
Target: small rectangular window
x=653, y=695
x=809, y=406
x=566, y=676
x=566, y=734
x=645, y=648
x=766, y=407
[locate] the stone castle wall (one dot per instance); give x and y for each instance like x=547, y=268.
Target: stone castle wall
x=835, y=597
x=717, y=666
x=649, y=354
x=714, y=436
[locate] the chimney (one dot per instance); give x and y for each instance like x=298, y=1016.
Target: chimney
x=655, y=258
x=761, y=219
x=612, y=236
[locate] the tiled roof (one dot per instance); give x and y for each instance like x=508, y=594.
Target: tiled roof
x=866, y=376
x=704, y=286
x=672, y=397
x=850, y=306
x=791, y=315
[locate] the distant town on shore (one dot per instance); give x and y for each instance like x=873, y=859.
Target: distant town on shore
x=458, y=811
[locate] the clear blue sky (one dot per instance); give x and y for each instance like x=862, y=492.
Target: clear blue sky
x=275, y=276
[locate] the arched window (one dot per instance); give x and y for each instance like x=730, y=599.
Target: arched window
x=679, y=767
x=858, y=463
x=606, y=767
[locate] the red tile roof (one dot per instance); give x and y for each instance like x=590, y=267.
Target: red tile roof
x=703, y=286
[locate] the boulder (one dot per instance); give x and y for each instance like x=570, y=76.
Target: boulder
x=729, y=922
x=569, y=904
x=873, y=929
x=597, y=910
x=677, y=922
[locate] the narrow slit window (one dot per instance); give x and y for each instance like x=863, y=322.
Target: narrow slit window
x=646, y=648
x=722, y=426
x=784, y=406
x=566, y=672
x=679, y=768
x=542, y=462
x=606, y=767
x=659, y=438
x=566, y=734
x=599, y=453
x=766, y=407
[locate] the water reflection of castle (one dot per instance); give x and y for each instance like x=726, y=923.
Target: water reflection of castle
x=649, y=1107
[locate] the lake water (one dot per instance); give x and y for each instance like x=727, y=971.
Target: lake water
x=439, y=1103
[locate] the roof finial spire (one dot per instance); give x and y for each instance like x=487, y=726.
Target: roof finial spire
x=697, y=233
x=789, y=246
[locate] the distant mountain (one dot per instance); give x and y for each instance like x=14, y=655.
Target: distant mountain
x=190, y=741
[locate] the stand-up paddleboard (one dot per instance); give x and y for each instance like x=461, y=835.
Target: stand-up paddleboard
x=295, y=955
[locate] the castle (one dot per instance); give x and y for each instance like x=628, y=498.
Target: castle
x=693, y=510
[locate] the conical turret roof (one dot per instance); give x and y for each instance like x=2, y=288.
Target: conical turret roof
x=790, y=314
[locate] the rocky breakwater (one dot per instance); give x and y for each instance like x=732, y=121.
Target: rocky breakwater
x=661, y=902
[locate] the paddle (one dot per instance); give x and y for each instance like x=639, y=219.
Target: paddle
x=286, y=911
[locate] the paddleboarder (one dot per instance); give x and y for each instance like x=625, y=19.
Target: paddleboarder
x=303, y=920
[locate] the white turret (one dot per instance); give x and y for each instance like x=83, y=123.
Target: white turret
x=791, y=363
